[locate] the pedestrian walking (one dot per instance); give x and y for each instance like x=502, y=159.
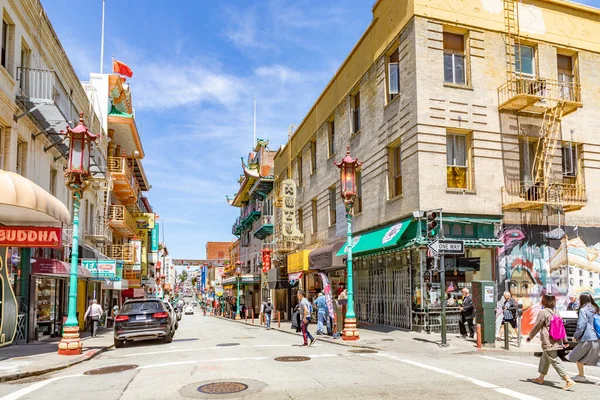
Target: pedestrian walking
x=467, y=314
x=266, y=309
x=573, y=303
x=321, y=304
x=499, y=317
x=305, y=313
x=509, y=311
x=550, y=345
x=94, y=311
x=587, y=351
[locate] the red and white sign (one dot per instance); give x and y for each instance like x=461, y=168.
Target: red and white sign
x=30, y=236
x=266, y=259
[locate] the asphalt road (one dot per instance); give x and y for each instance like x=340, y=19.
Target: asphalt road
x=207, y=350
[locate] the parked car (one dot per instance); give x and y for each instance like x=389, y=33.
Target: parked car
x=173, y=314
x=143, y=319
x=188, y=309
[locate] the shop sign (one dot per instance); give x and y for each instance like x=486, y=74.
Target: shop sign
x=289, y=229
x=26, y=236
x=298, y=261
x=145, y=220
x=266, y=259
x=102, y=269
x=137, y=254
x=154, y=239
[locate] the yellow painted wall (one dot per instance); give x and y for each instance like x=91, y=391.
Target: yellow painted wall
x=81, y=302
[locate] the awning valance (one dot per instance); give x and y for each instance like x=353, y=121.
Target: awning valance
x=56, y=268
x=377, y=240
x=23, y=202
x=326, y=258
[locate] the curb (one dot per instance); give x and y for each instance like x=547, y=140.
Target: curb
x=319, y=339
x=84, y=357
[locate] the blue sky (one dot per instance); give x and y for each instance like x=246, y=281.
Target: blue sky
x=197, y=66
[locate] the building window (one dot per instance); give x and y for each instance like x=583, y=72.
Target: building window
x=331, y=137
x=300, y=181
x=313, y=156
x=25, y=65
x=527, y=151
x=566, y=77
x=395, y=159
x=5, y=44
x=52, y=185
x=356, y=113
x=21, y=157
x=358, y=199
x=332, y=213
x=570, y=160
x=393, y=75
x=524, y=60
x=454, y=59
x=301, y=220
x=456, y=161
x=314, y=215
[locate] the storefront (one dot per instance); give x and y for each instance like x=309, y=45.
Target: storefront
x=280, y=293
x=301, y=277
x=326, y=260
x=396, y=284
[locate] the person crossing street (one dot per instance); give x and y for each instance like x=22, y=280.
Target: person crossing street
x=321, y=304
x=266, y=309
x=305, y=311
x=94, y=311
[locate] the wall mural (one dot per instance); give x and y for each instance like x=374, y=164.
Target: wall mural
x=535, y=260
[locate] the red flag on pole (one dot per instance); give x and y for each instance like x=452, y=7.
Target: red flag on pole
x=122, y=69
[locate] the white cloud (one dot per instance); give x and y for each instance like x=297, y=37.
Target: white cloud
x=243, y=31
x=279, y=72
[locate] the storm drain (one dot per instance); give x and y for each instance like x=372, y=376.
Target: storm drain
x=227, y=344
x=222, y=388
x=110, y=370
x=292, y=359
x=362, y=351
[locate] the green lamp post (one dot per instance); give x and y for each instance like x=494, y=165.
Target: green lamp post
x=77, y=177
x=348, y=167
x=238, y=274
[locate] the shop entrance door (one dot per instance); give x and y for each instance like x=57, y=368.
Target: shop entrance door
x=383, y=296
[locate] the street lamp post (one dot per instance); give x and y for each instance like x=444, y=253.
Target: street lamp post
x=77, y=177
x=348, y=167
x=238, y=274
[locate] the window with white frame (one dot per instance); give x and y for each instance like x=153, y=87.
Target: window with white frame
x=395, y=161
x=393, y=74
x=527, y=151
x=524, y=60
x=454, y=59
x=566, y=77
x=457, y=170
x=570, y=159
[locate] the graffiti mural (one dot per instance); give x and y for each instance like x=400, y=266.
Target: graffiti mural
x=537, y=260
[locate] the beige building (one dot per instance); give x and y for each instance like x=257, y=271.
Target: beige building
x=483, y=108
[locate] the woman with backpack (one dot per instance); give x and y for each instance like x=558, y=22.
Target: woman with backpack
x=553, y=338
x=587, y=351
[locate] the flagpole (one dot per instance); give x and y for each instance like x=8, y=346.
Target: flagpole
x=254, y=142
x=102, y=41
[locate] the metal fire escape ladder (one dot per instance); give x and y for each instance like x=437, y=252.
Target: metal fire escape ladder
x=547, y=145
x=513, y=39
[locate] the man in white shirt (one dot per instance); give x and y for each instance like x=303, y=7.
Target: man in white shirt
x=94, y=311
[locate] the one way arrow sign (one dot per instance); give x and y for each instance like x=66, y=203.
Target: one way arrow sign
x=443, y=246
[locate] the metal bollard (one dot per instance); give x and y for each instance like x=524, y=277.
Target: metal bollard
x=252, y=311
x=478, y=328
x=519, y=331
x=279, y=319
x=507, y=336
x=246, y=315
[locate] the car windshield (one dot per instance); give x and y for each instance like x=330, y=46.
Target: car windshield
x=142, y=306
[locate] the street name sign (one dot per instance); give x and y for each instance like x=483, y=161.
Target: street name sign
x=446, y=246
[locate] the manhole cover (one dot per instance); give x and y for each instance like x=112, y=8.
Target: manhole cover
x=387, y=340
x=292, y=359
x=362, y=351
x=110, y=370
x=222, y=388
x=227, y=344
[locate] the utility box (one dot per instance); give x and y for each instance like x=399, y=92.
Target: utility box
x=484, y=300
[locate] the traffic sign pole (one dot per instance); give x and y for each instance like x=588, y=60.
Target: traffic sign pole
x=443, y=297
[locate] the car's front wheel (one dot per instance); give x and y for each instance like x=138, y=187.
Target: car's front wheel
x=119, y=343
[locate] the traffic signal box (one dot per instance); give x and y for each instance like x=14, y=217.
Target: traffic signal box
x=432, y=224
x=484, y=300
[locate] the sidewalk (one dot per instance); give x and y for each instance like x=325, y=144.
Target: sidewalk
x=20, y=361
x=384, y=338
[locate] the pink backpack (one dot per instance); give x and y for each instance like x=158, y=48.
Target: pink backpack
x=557, y=328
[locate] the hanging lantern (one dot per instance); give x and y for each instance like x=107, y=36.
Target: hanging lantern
x=238, y=269
x=80, y=140
x=348, y=167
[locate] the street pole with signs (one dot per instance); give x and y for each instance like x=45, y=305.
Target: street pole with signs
x=238, y=275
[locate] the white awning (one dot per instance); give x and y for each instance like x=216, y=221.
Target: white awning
x=23, y=202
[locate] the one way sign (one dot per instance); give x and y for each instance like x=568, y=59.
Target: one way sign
x=444, y=246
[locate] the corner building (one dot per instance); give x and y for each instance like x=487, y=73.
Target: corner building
x=484, y=109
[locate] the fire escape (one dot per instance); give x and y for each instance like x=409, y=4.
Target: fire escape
x=532, y=95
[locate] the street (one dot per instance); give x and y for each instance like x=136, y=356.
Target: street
x=207, y=350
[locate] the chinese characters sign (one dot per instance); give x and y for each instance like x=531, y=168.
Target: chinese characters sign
x=289, y=229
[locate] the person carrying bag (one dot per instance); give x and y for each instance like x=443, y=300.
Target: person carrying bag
x=587, y=351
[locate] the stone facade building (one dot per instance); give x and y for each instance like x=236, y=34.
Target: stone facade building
x=454, y=107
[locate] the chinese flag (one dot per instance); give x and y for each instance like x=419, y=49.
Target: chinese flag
x=122, y=69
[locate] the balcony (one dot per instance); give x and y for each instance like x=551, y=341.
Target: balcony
x=245, y=221
x=535, y=95
x=45, y=99
x=124, y=252
x=266, y=227
x=125, y=185
x=99, y=232
x=525, y=196
x=121, y=221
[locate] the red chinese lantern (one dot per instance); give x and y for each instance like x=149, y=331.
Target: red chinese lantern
x=348, y=167
x=80, y=141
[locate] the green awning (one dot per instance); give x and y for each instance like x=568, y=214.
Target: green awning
x=379, y=239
